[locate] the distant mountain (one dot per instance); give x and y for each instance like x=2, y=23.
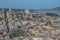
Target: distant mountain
x=52, y=10
x=57, y=8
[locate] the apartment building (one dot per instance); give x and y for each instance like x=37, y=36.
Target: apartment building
x=2, y=21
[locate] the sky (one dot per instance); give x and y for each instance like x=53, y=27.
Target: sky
x=29, y=4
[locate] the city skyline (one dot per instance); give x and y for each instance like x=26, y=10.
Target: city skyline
x=29, y=4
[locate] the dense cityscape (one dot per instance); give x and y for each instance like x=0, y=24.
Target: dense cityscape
x=26, y=25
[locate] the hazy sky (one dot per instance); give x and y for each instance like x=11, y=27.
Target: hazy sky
x=30, y=4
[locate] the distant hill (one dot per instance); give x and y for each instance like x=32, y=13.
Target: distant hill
x=57, y=8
